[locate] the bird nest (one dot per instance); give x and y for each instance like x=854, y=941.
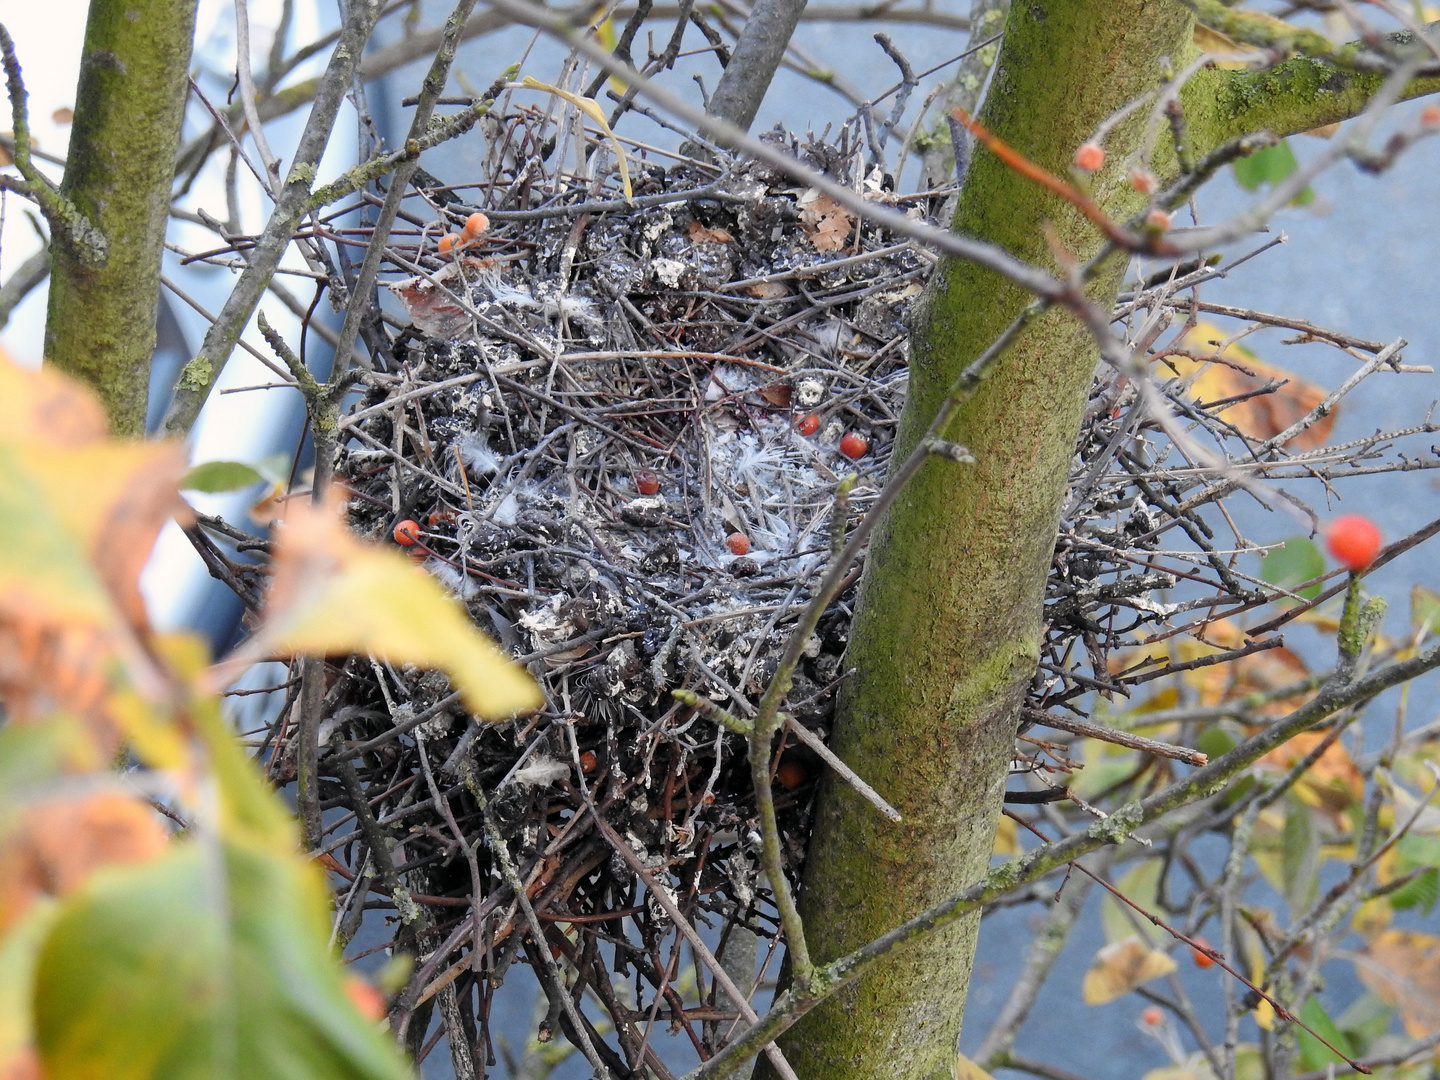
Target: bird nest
x=619, y=430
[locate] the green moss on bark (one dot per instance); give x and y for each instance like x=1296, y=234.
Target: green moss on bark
x=128, y=109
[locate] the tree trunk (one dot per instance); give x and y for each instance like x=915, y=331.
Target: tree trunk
x=947, y=632
x=128, y=108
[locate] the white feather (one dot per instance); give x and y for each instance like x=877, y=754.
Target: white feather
x=457, y=583
x=540, y=771
x=507, y=511
x=508, y=294
x=479, y=459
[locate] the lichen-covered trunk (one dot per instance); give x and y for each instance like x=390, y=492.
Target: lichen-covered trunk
x=948, y=630
x=128, y=109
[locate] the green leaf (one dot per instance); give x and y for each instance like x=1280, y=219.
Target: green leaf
x=19, y=948
x=1299, y=856
x=1121, y=921
x=1421, y=891
x=1364, y=1020
x=1424, y=612
x=32, y=755
x=1297, y=560
x=1313, y=1053
x=209, y=963
x=274, y=467
x=1270, y=166
x=1416, y=850
x=213, y=477
x=1215, y=741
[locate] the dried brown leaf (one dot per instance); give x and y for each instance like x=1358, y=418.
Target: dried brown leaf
x=777, y=394
x=703, y=234
x=827, y=224
x=768, y=290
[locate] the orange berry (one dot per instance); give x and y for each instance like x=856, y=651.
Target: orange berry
x=738, y=543
x=1202, y=959
x=1090, y=157
x=1430, y=116
x=1152, y=1017
x=854, y=445
x=1142, y=180
x=808, y=425
x=1157, y=220
x=407, y=532
x=646, y=482
x=475, y=225
x=448, y=243
x=1354, y=540
x=588, y=761
x=366, y=998
x=792, y=775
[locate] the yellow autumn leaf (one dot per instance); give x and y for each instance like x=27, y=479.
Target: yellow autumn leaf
x=1258, y=417
x=1121, y=967
x=591, y=108
x=1372, y=917
x=1264, y=1015
x=965, y=1069
x=605, y=34
x=331, y=593
x=1007, y=840
x=43, y=406
x=1212, y=41
x=79, y=512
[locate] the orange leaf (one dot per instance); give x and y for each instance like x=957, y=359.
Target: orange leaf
x=60, y=842
x=1402, y=969
x=80, y=513
x=46, y=407
x=1333, y=778
x=701, y=234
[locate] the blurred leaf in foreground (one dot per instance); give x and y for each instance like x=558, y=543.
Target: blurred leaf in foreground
x=332, y=593
x=210, y=962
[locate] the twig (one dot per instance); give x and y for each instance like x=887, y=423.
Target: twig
x=1088, y=730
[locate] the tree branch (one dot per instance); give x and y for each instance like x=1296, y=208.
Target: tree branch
x=200, y=375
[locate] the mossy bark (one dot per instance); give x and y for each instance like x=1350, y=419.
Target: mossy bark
x=128, y=109
x=948, y=629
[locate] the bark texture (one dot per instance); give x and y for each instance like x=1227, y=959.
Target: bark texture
x=128, y=108
x=947, y=634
